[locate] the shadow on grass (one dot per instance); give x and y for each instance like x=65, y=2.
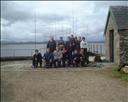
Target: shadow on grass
x=7, y=94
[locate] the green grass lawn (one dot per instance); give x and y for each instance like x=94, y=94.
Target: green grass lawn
x=120, y=74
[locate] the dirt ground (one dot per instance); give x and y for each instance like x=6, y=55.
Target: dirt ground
x=21, y=83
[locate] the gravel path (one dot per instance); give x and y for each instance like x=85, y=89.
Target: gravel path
x=60, y=85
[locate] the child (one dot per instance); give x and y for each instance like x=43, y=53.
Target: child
x=57, y=57
x=37, y=58
x=75, y=58
x=48, y=58
x=64, y=56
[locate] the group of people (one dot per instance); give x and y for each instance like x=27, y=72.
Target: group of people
x=72, y=52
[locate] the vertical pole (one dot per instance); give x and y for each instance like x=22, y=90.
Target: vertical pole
x=101, y=49
x=93, y=48
x=35, y=29
x=97, y=48
x=72, y=18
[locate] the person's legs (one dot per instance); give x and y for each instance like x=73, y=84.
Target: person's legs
x=69, y=58
x=47, y=63
x=40, y=63
x=54, y=62
x=36, y=64
x=63, y=62
x=33, y=63
x=82, y=62
x=77, y=63
x=73, y=62
x=86, y=56
x=50, y=63
x=59, y=63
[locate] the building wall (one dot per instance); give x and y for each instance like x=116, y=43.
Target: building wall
x=111, y=26
x=116, y=47
x=123, y=47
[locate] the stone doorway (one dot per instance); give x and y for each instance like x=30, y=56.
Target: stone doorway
x=111, y=45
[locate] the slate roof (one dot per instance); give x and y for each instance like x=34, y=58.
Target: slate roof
x=119, y=15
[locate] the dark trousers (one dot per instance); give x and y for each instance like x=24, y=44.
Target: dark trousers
x=35, y=63
x=76, y=63
x=57, y=63
x=48, y=64
x=69, y=58
x=86, y=56
x=82, y=62
x=63, y=62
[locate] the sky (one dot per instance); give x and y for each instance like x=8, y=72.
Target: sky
x=21, y=19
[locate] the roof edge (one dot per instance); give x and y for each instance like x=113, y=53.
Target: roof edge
x=110, y=12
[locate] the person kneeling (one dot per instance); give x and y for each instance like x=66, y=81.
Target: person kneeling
x=75, y=58
x=37, y=58
x=57, y=57
x=48, y=58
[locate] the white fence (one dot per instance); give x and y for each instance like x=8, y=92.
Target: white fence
x=92, y=47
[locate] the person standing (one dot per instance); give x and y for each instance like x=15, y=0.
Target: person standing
x=69, y=50
x=61, y=43
x=83, y=45
x=79, y=40
x=51, y=44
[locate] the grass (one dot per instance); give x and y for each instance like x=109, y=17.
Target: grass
x=120, y=74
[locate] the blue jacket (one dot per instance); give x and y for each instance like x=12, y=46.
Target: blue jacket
x=48, y=56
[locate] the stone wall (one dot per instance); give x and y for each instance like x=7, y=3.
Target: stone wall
x=116, y=47
x=123, y=47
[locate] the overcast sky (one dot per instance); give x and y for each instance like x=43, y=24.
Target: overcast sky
x=54, y=18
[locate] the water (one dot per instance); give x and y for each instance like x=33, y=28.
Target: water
x=12, y=50
x=8, y=50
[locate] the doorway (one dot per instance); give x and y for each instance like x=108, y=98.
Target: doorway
x=111, y=45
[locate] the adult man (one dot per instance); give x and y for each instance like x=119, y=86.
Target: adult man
x=83, y=45
x=61, y=43
x=51, y=44
x=69, y=50
x=79, y=40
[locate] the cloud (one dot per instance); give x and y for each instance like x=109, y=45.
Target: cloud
x=54, y=18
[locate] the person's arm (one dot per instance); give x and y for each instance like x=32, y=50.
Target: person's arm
x=41, y=57
x=44, y=57
x=55, y=44
x=87, y=44
x=81, y=45
x=33, y=57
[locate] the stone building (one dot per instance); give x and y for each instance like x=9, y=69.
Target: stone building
x=116, y=35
